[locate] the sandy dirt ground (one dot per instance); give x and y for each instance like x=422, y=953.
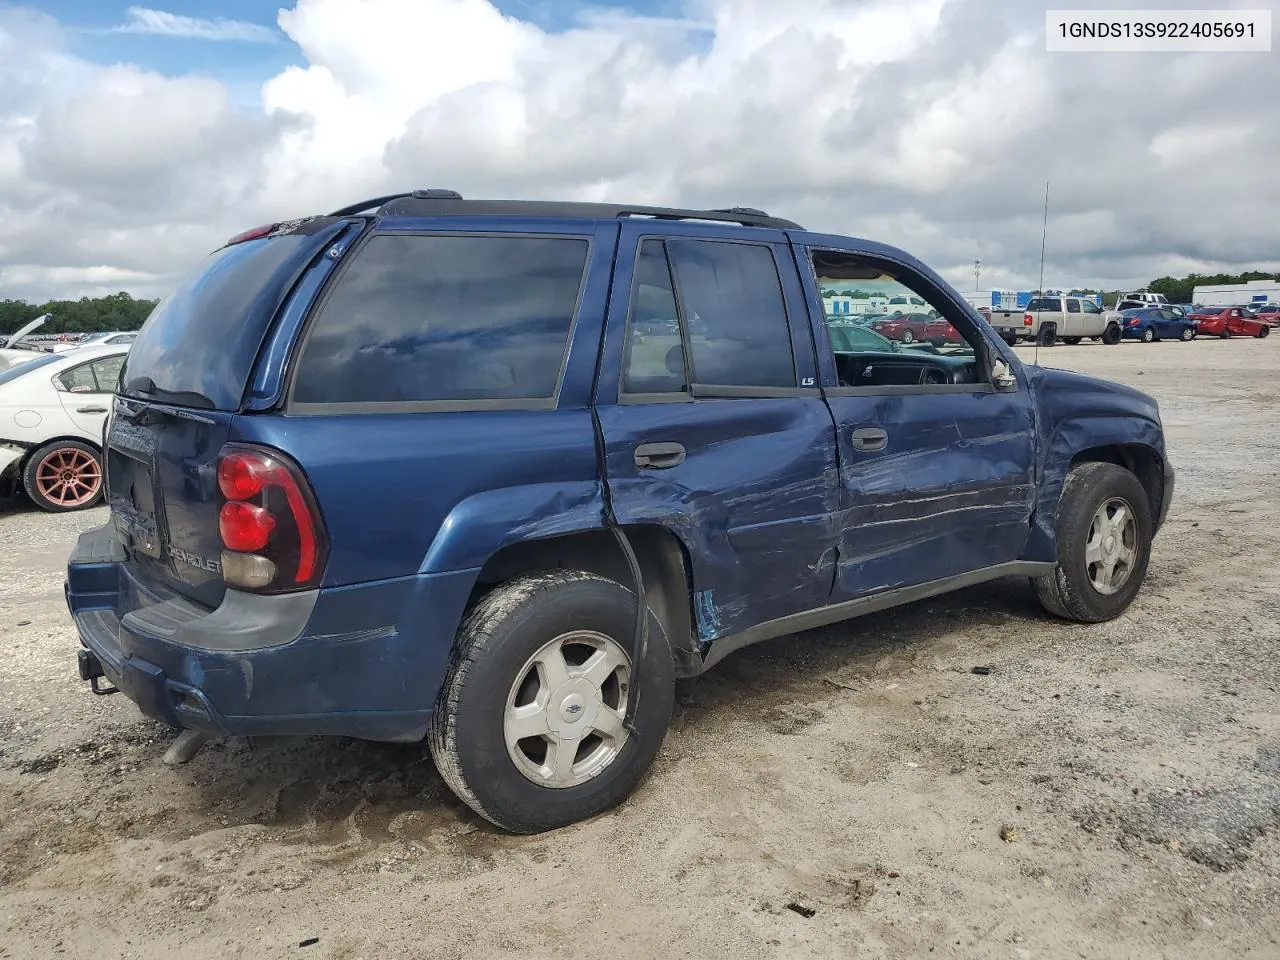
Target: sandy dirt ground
x=1104, y=792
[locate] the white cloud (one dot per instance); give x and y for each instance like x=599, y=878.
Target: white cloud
x=930, y=124
x=164, y=24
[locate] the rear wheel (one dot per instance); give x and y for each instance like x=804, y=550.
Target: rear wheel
x=1263, y=332
x=1149, y=335
x=1104, y=535
x=63, y=476
x=528, y=730
x=1225, y=334
x=908, y=336
x=1048, y=334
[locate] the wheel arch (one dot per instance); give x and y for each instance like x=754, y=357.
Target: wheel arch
x=1127, y=441
x=664, y=567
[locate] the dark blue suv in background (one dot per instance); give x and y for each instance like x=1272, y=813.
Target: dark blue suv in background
x=401, y=473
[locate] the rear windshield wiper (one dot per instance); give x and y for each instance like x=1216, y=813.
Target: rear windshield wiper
x=144, y=388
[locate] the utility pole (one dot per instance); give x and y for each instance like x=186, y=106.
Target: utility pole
x=977, y=271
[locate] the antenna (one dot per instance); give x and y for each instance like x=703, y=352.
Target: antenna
x=1044, y=235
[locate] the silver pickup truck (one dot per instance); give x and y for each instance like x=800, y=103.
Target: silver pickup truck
x=1049, y=319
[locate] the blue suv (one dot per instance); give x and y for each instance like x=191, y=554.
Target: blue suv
x=403, y=471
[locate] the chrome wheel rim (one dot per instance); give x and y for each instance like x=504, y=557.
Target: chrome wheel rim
x=563, y=717
x=1111, y=552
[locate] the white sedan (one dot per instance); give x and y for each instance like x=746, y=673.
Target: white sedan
x=52, y=412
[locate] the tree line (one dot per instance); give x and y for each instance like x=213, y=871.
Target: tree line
x=117, y=311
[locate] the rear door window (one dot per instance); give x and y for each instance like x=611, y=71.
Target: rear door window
x=734, y=313
x=457, y=319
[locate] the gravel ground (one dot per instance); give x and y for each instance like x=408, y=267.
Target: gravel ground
x=1106, y=791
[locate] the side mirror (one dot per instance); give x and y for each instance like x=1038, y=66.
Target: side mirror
x=1003, y=377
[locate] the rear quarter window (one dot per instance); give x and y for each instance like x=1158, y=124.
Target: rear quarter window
x=458, y=319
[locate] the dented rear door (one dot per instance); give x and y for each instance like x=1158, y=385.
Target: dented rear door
x=712, y=421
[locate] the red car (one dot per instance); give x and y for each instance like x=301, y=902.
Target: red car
x=913, y=327
x=1228, y=322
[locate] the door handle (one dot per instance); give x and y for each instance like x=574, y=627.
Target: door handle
x=91, y=409
x=870, y=438
x=659, y=456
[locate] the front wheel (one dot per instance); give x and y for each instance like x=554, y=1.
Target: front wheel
x=1104, y=533
x=63, y=476
x=908, y=336
x=1224, y=335
x=1263, y=332
x=1111, y=336
x=528, y=730
x=1188, y=333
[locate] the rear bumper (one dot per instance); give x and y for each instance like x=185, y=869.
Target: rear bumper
x=367, y=662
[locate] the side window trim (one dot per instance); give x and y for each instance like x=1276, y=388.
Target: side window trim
x=294, y=407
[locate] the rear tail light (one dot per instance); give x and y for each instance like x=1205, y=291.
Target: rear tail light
x=1027, y=320
x=272, y=534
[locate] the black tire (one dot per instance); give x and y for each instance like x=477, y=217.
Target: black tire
x=1111, y=336
x=1149, y=335
x=1187, y=334
x=31, y=484
x=1072, y=341
x=1224, y=335
x=505, y=629
x=1048, y=335
x=1263, y=332
x=1069, y=592
x=908, y=336
x=1011, y=341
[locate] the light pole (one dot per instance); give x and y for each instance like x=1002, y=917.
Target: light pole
x=977, y=270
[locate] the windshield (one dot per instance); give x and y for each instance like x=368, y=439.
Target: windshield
x=199, y=345
x=13, y=373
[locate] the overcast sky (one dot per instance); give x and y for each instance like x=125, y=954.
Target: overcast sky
x=133, y=140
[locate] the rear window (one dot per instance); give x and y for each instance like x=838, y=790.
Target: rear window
x=419, y=319
x=199, y=345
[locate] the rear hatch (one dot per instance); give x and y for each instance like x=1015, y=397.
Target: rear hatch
x=181, y=387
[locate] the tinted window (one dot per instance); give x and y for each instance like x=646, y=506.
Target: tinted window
x=737, y=323
x=458, y=318
x=1044, y=303
x=199, y=344
x=1073, y=306
x=655, y=355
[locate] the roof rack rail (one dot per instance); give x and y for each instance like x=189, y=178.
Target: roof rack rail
x=449, y=203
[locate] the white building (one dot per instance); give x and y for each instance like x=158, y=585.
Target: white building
x=1237, y=294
